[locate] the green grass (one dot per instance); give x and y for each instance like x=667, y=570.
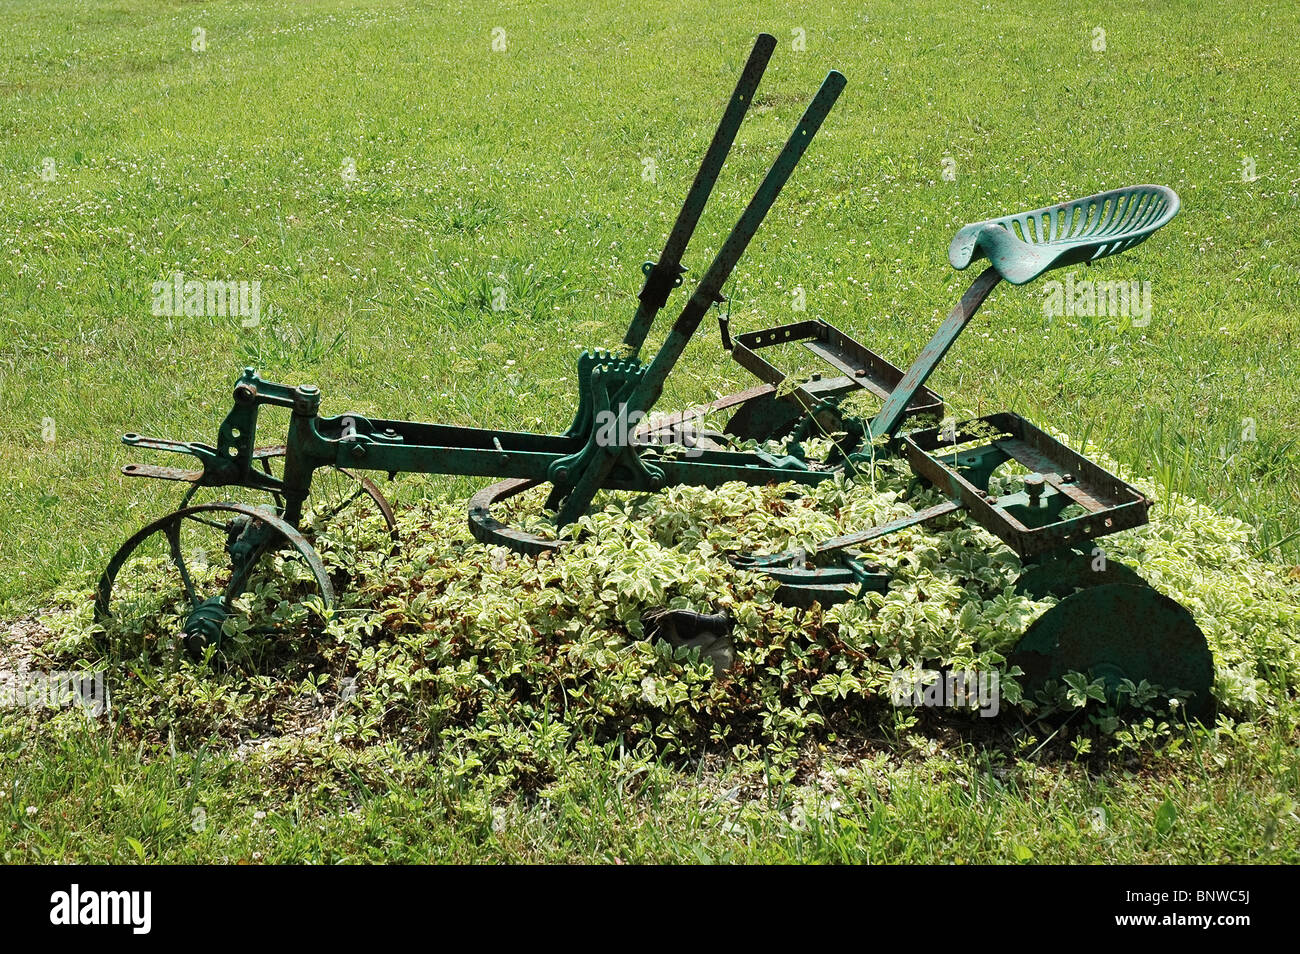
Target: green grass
x=527, y=164
x=99, y=799
x=523, y=170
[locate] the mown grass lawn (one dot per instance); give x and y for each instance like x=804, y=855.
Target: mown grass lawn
x=381, y=170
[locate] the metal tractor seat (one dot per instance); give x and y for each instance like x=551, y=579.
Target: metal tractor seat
x=1022, y=247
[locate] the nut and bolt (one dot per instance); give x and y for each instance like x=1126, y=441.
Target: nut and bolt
x=1034, y=487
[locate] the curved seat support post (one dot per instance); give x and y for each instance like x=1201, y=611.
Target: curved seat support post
x=895, y=408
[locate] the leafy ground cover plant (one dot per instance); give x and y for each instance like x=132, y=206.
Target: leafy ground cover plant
x=502, y=668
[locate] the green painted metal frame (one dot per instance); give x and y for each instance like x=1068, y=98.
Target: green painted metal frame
x=1029, y=521
x=577, y=463
x=1019, y=248
x=859, y=368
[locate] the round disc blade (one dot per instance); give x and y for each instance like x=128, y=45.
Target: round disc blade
x=1060, y=575
x=763, y=418
x=1117, y=631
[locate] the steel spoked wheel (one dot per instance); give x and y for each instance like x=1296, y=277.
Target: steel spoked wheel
x=342, y=504
x=174, y=584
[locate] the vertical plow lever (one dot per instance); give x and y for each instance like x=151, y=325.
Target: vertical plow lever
x=663, y=276
x=706, y=292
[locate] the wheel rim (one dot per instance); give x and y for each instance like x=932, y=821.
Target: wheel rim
x=487, y=528
x=177, y=577
x=340, y=499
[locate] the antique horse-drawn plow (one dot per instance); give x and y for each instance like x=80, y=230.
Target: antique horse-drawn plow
x=1108, y=621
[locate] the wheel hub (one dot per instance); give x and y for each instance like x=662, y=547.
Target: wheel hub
x=203, y=626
